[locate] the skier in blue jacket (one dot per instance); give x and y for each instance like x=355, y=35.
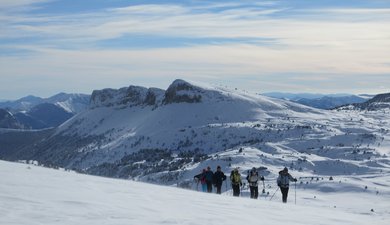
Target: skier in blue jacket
x=209, y=175
x=284, y=182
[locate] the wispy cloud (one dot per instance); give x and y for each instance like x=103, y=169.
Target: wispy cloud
x=180, y=21
x=148, y=19
x=260, y=39
x=20, y=5
x=355, y=10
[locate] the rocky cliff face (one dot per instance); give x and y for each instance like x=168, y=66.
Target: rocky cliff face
x=126, y=97
x=181, y=91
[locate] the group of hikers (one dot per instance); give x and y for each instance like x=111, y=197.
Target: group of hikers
x=208, y=178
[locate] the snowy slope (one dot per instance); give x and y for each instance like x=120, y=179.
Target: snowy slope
x=121, y=122
x=72, y=103
x=34, y=195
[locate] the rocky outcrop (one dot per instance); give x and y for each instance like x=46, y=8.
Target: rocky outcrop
x=182, y=91
x=126, y=97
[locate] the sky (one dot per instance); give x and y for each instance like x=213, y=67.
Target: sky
x=322, y=46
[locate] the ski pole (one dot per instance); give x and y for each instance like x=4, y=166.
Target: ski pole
x=274, y=193
x=295, y=184
x=226, y=185
x=263, y=187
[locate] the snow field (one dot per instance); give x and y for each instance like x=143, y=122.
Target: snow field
x=35, y=195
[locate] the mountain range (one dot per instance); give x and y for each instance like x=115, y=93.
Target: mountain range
x=33, y=112
x=168, y=136
x=57, y=109
x=72, y=103
x=321, y=101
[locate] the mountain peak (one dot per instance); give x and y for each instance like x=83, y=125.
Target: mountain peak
x=180, y=82
x=30, y=98
x=182, y=91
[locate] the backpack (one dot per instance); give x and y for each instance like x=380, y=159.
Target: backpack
x=235, y=178
x=253, y=177
x=203, y=180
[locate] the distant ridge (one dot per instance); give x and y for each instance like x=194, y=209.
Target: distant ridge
x=380, y=101
x=320, y=101
x=33, y=112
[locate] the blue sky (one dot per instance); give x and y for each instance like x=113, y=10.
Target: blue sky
x=51, y=46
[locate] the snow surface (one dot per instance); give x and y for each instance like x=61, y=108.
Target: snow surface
x=34, y=195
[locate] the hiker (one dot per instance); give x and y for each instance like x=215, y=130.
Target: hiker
x=283, y=183
x=235, y=178
x=202, y=179
x=218, y=178
x=253, y=178
x=209, y=175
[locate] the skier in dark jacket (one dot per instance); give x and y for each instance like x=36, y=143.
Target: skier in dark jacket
x=253, y=178
x=209, y=175
x=283, y=183
x=235, y=178
x=218, y=178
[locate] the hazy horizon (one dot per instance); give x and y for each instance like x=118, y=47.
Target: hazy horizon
x=230, y=87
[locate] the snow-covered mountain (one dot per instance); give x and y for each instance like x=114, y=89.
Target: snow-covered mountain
x=169, y=136
x=72, y=103
x=320, y=101
x=21, y=104
x=37, y=113
x=35, y=195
